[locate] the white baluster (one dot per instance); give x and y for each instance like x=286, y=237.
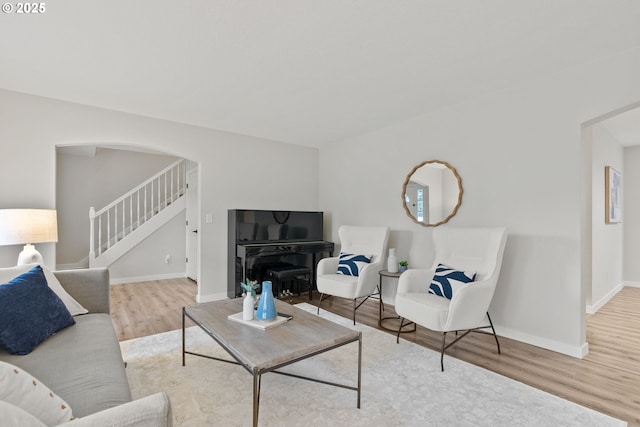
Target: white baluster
x=100, y=235
x=172, y=193
x=166, y=198
x=124, y=211
x=145, y=203
x=109, y=229
x=115, y=224
x=92, y=230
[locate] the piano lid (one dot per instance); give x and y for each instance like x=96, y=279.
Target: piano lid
x=262, y=226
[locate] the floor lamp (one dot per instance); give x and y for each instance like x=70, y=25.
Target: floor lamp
x=28, y=226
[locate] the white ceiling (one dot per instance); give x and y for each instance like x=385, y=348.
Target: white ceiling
x=300, y=71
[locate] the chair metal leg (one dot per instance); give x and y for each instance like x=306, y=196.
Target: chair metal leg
x=355, y=307
x=400, y=329
x=319, y=302
x=380, y=295
x=444, y=338
x=459, y=337
x=445, y=346
x=494, y=332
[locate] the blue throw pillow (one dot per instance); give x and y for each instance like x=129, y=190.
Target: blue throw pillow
x=30, y=312
x=446, y=281
x=351, y=265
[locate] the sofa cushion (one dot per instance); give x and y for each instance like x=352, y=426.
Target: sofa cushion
x=446, y=281
x=352, y=264
x=74, y=307
x=30, y=312
x=15, y=416
x=82, y=364
x=21, y=389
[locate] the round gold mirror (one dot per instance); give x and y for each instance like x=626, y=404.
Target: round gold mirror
x=432, y=193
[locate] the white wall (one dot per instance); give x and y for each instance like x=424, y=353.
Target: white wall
x=631, y=214
x=147, y=260
x=235, y=171
x=519, y=154
x=607, y=239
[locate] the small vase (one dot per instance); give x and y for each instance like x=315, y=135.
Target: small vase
x=247, y=307
x=266, y=305
x=392, y=261
x=403, y=268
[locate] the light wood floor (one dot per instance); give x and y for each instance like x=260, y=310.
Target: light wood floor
x=147, y=308
x=607, y=380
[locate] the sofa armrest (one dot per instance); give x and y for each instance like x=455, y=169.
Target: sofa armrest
x=151, y=411
x=89, y=286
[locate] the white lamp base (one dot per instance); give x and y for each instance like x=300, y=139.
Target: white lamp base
x=29, y=255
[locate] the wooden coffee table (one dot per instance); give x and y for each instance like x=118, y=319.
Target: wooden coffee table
x=262, y=351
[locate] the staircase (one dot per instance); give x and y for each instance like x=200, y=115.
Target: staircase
x=124, y=223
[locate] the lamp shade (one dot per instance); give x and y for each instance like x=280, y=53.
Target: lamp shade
x=20, y=226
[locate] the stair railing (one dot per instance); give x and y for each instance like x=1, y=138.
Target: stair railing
x=123, y=216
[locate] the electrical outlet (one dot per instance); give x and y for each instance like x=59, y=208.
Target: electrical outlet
x=208, y=218
x=167, y=259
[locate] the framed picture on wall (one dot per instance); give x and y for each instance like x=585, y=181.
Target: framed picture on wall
x=613, y=195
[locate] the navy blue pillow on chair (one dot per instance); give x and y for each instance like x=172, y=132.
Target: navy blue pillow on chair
x=446, y=281
x=350, y=264
x=30, y=312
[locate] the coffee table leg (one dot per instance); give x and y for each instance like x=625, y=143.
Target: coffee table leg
x=359, y=368
x=256, y=398
x=183, y=345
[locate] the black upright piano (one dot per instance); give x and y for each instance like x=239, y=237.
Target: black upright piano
x=262, y=239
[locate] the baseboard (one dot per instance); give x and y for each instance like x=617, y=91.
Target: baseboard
x=591, y=309
x=574, y=351
x=120, y=281
x=211, y=297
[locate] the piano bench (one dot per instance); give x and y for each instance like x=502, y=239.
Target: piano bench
x=282, y=274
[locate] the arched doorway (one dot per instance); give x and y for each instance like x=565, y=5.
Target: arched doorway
x=94, y=175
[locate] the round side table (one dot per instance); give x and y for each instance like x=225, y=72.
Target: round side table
x=381, y=319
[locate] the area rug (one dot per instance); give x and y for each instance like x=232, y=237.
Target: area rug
x=401, y=386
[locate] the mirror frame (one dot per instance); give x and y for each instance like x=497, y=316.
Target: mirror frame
x=460, y=191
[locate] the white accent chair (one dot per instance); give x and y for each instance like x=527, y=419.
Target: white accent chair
x=467, y=249
x=361, y=241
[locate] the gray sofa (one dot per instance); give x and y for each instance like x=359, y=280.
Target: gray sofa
x=83, y=365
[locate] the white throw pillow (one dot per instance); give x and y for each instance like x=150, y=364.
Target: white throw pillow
x=74, y=307
x=21, y=389
x=14, y=416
